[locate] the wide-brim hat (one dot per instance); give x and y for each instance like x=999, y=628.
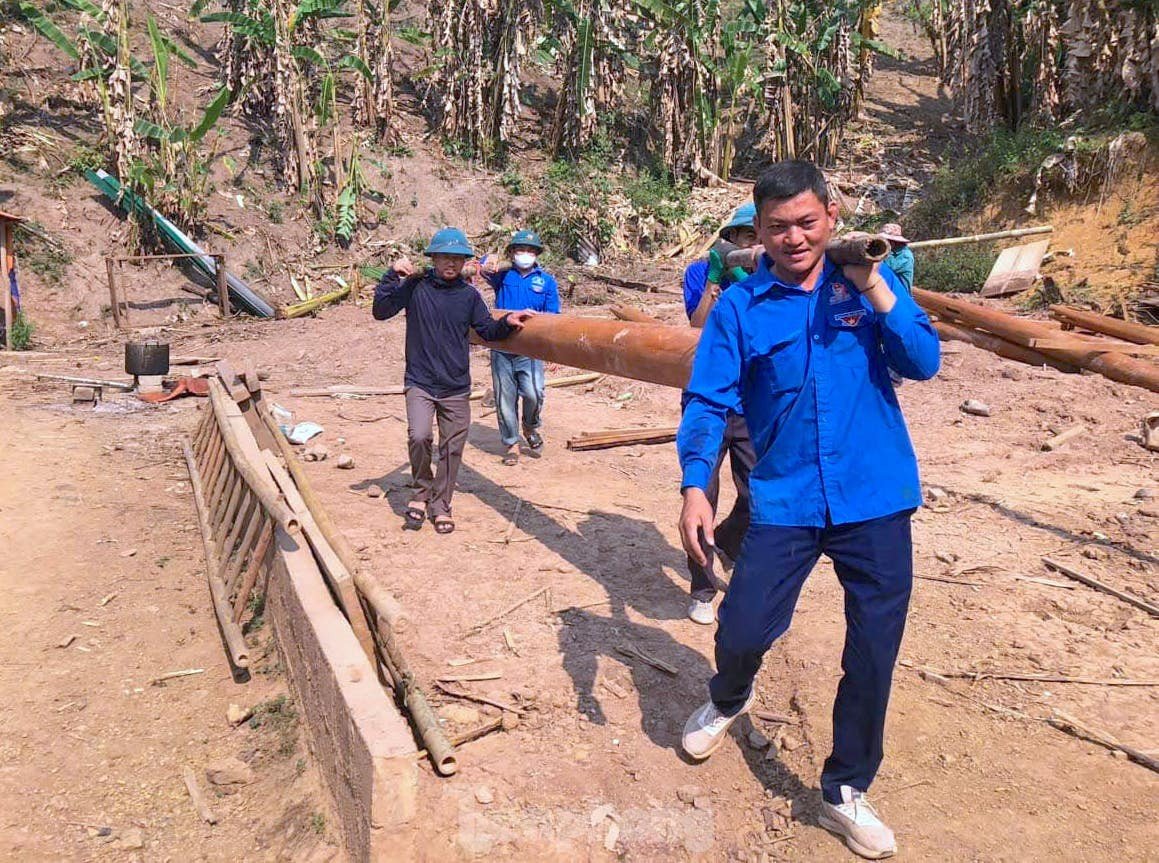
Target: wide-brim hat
x=892, y=232
x=449, y=241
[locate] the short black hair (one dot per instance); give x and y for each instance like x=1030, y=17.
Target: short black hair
x=788, y=179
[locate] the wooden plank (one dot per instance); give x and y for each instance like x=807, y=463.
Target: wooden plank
x=1015, y=270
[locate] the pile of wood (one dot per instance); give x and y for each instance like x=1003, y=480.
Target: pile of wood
x=1128, y=356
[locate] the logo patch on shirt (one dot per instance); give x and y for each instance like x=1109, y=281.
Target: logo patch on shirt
x=840, y=294
x=850, y=319
x=537, y=284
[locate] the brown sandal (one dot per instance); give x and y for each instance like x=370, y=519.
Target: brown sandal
x=444, y=524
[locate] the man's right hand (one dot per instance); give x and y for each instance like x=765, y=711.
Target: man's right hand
x=696, y=517
x=404, y=267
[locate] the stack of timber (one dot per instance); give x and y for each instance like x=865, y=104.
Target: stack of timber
x=620, y=437
x=1036, y=342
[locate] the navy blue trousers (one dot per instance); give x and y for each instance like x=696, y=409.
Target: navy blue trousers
x=874, y=563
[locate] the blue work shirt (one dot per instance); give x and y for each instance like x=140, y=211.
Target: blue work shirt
x=536, y=290
x=902, y=264
x=695, y=283
x=810, y=369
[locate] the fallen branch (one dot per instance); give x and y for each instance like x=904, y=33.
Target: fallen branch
x=468, y=736
x=646, y=287
x=1098, y=585
x=951, y=581
x=1063, y=437
x=297, y=310
x=1031, y=678
x=471, y=678
x=479, y=627
x=175, y=674
x=1068, y=724
x=196, y=795
x=1059, y=584
x=573, y=380
x=369, y=419
x=633, y=651
x=514, y=522
x=478, y=699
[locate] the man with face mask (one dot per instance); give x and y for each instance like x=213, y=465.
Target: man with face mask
x=804, y=348
x=703, y=282
x=520, y=283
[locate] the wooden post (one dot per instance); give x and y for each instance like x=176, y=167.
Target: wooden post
x=5, y=285
x=222, y=287
x=110, y=266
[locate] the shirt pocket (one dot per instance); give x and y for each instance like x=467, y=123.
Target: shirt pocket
x=778, y=364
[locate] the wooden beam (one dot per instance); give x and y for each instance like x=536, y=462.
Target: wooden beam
x=1128, y=331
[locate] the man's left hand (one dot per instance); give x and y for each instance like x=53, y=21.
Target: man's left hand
x=869, y=282
x=518, y=319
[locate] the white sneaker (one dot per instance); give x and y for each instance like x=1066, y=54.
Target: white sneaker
x=701, y=612
x=706, y=729
x=858, y=823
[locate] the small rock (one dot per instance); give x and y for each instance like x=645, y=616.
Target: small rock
x=947, y=759
x=1147, y=512
x=129, y=552
x=947, y=557
x=598, y=814
x=936, y=493
x=788, y=744
x=229, y=771
x=346, y=462
x=510, y=721
x=612, y=836
x=484, y=795
x=756, y=740
x=341, y=441
x=460, y=713
x=1145, y=494
x=132, y=839
x=1012, y=373
x=975, y=408
x=374, y=491
x=687, y=793
x=237, y=715
x=703, y=803
x=316, y=453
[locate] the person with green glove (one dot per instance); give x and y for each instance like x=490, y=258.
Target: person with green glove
x=704, y=280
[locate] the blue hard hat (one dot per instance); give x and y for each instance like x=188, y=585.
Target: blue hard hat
x=526, y=237
x=742, y=218
x=449, y=241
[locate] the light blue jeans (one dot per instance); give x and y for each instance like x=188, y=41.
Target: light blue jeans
x=516, y=378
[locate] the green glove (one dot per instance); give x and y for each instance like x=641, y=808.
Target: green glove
x=715, y=267
x=739, y=274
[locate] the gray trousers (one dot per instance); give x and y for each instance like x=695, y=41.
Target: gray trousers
x=454, y=416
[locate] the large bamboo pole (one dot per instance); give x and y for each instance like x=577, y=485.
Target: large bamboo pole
x=1110, y=365
x=646, y=352
x=1128, y=331
x=981, y=238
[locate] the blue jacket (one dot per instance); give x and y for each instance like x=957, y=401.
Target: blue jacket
x=810, y=372
x=439, y=316
x=902, y=264
x=535, y=290
x=695, y=282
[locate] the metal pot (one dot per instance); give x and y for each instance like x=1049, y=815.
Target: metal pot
x=147, y=358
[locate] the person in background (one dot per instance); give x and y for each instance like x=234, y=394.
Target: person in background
x=802, y=347
x=901, y=258
x=441, y=309
x=702, y=287
x=520, y=283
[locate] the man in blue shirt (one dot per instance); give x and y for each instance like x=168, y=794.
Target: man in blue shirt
x=520, y=284
x=804, y=349
x=703, y=282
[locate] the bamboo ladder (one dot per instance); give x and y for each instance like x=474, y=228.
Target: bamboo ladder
x=237, y=510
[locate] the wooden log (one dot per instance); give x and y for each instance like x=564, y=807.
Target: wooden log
x=260, y=485
x=1098, y=585
x=607, y=440
x=647, y=352
x=1116, y=367
x=231, y=632
x=297, y=310
x=631, y=313
x=90, y=382
x=1128, y=331
x=573, y=380
x=980, y=238
x=1063, y=437
x=1009, y=350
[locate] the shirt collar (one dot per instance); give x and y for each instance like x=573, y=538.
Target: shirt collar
x=764, y=279
x=534, y=269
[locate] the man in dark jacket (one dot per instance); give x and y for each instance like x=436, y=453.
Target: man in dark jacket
x=441, y=309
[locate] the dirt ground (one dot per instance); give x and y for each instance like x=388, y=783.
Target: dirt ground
x=102, y=590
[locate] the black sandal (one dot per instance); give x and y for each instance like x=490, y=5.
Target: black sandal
x=511, y=457
x=444, y=524
x=414, y=518
x=534, y=439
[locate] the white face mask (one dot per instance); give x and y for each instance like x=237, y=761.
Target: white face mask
x=524, y=260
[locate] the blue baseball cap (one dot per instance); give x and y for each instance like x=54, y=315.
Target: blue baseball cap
x=449, y=241
x=742, y=218
x=526, y=237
